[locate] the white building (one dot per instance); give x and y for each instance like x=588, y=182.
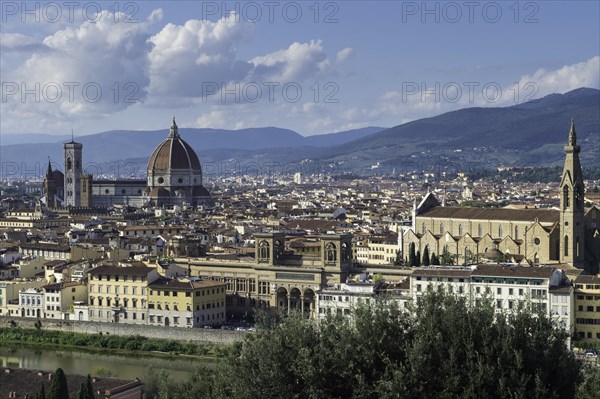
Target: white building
x=344, y=298
x=31, y=303
x=509, y=287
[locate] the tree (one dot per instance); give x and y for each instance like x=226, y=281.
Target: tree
x=442, y=347
x=398, y=261
x=590, y=386
x=434, y=259
x=418, y=258
x=412, y=257
x=42, y=393
x=447, y=258
x=87, y=390
x=426, y=260
x=59, y=388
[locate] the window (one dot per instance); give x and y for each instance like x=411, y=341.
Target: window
x=441, y=228
x=499, y=291
x=499, y=304
x=510, y=291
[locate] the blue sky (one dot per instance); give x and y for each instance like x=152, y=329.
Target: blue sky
x=334, y=66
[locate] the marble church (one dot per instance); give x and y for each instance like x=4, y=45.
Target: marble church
x=568, y=235
x=174, y=177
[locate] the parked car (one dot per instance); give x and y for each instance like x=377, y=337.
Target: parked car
x=591, y=353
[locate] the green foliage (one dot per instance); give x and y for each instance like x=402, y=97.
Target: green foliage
x=447, y=259
x=441, y=348
x=412, y=256
x=87, y=390
x=398, y=261
x=59, y=388
x=42, y=393
x=426, y=260
x=590, y=386
x=434, y=259
x=126, y=342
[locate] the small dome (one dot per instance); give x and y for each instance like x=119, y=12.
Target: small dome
x=174, y=153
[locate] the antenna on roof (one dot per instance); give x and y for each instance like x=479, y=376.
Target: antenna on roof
x=72, y=136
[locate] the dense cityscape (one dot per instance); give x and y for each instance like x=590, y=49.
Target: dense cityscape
x=211, y=254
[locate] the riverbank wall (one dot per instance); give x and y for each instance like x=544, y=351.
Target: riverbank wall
x=92, y=327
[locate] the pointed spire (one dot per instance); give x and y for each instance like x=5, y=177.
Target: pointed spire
x=72, y=136
x=572, y=134
x=49, y=170
x=174, y=132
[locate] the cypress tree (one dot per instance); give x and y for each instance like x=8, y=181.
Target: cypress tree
x=87, y=390
x=434, y=259
x=59, y=388
x=411, y=255
x=418, y=259
x=426, y=261
x=42, y=393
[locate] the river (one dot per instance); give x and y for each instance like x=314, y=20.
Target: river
x=81, y=361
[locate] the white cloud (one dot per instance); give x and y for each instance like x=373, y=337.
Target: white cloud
x=565, y=79
x=87, y=70
x=17, y=42
x=415, y=103
x=186, y=59
x=344, y=54
x=298, y=62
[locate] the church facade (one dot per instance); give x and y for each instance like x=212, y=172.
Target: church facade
x=569, y=235
x=174, y=177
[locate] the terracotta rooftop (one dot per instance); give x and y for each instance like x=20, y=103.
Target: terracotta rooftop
x=528, y=215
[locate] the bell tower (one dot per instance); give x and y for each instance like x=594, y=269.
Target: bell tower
x=73, y=167
x=572, y=222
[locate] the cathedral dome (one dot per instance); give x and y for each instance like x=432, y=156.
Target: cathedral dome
x=174, y=153
x=175, y=174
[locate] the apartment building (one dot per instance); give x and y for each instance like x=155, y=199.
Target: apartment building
x=186, y=303
x=60, y=297
x=509, y=287
x=587, y=308
x=119, y=293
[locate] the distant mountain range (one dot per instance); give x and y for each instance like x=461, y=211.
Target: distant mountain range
x=531, y=133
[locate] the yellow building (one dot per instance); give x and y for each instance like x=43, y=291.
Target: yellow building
x=587, y=308
x=186, y=303
x=119, y=293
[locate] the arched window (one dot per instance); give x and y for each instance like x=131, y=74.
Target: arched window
x=516, y=232
x=331, y=252
x=479, y=231
x=566, y=203
x=566, y=245
x=460, y=230
x=423, y=228
x=263, y=250
x=500, y=231
x=69, y=164
x=577, y=246
x=441, y=228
